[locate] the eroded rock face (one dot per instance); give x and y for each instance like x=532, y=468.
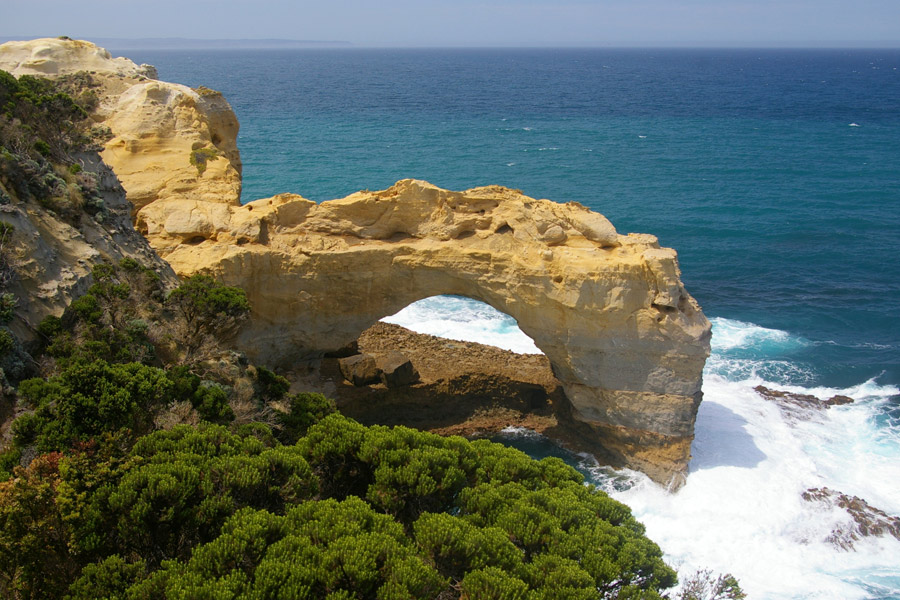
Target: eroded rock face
x=54, y=258
x=625, y=339
x=157, y=127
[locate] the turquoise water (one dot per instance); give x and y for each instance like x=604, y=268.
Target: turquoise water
x=776, y=176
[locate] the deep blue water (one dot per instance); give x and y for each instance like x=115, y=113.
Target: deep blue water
x=745, y=161
x=774, y=173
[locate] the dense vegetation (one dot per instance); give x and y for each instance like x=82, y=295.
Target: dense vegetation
x=137, y=470
x=44, y=129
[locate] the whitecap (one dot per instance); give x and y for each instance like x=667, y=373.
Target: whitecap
x=731, y=334
x=854, y=125
x=741, y=509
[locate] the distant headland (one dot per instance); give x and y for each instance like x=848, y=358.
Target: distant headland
x=178, y=43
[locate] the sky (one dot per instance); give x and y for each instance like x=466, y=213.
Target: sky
x=468, y=22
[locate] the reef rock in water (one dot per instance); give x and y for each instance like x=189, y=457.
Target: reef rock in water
x=624, y=338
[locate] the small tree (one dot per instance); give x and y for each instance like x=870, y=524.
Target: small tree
x=207, y=312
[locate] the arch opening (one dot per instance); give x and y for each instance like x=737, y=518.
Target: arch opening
x=464, y=319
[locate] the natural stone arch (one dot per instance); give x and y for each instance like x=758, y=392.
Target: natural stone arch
x=624, y=338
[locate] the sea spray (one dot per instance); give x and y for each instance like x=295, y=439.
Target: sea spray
x=742, y=509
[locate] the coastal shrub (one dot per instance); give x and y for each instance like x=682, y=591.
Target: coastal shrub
x=87, y=400
x=206, y=312
x=42, y=118
x=176, y=488
x=304, y=410
x=8, y=304
x=110, y=322
x=702, y=585
x=201, y=156
x=210, y=401
x=348, y=511
x=7, y=270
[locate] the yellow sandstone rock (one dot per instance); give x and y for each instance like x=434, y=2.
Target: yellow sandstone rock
x=160, y=131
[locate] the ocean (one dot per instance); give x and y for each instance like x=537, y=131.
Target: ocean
x=775, y=174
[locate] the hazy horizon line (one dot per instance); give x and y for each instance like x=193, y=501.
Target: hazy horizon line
x=185, y=43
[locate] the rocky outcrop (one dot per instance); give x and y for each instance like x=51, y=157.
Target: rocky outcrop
x=801, y=400
x=623, y=337
x=53, y=257
x=865, y=519
x=462, y=388
x=63, y=56
x=169, y=142
x=800, y=407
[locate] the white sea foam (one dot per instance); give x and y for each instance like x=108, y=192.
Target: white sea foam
x=464, y=319
x=741, y=510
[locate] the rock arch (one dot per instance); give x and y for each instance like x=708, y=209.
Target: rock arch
x=625, y=339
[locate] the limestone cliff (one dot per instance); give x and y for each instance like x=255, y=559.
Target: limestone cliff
x=168, y=141
x=53, y=257
x=622, y=335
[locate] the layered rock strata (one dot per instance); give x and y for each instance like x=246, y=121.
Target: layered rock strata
x=622, y=335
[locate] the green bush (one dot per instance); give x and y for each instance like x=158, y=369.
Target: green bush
x=347, y=512
x=205, y=311
x=8, y=304
x=89, y=399
x=201, y=156
x=107, y=323
x=304, y=410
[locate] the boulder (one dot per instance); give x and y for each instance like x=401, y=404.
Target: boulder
x=360, y=369
x=397, y=370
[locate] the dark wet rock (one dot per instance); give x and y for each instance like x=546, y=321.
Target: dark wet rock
x=867, y=520
x=838, y=400
x=360, y=369
x=397, y=370
x=804, y=401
